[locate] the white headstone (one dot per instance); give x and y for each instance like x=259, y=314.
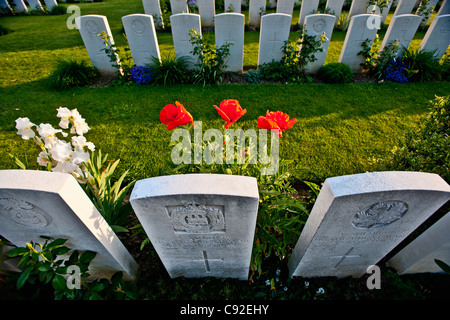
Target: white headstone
x=35, y=5
x=401, y=28
x=229, y=28
x=437, y=36
x=285, y=6
x=207, y=10
x=90, y=27
x=153, y=8
x=20, y=6
x=445, y=8
x=315, y=25
x=360, y=29
x=256, y=9
x=4, y=6
x=404, y=7
x=336, y=7
x=385, y=11
x=179, y=6
x=358, y=7
x=307, y=8
x=181, y=24
x=201, y=225
x=419, y=256
x=141, y=36
x=274, y=32
x=358, y=219
x=37, y=203
x=50, y=4
x=233, y=6
x=427, y=8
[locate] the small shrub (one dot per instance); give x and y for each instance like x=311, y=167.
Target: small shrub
x=58, y=10
x=170, y=70
x=4, y=30
x=335, y=73
x=275, y=71
x=253, y=76
x=72, y=73
x=422, y=65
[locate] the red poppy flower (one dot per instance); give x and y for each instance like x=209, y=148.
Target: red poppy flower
x=230, y=111
x=276, y=121
x=175, y=115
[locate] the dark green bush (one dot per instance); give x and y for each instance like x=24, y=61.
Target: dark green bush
x=170, y=70
x=58, y=10
x=275, y=71
x=4, y=30
x=72, y=73
x=335, y=73
x=422, y=65
x=428, y=148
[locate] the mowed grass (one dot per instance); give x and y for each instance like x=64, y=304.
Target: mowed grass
x=340, y=128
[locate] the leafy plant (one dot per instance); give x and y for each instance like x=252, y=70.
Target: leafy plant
x=343, y=21
x=253, y=76
x=335, y=73
x=212, y=59
x=396, y=71
x=445, y=267
x=4, y=30
x=108, y=197
x=422, y=65
x=170, y=70
x=72, y=73
x=275, y=71
x=58, y=10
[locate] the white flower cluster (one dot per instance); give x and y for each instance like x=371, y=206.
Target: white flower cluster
x=58, y=154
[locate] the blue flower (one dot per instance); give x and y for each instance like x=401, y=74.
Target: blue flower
x=141, y=75
x=396, y=71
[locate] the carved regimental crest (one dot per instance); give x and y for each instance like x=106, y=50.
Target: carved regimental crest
x=379, y=215
x=197, y=218
x=23, y=213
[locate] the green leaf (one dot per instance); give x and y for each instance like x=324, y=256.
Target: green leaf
x=73, y=258
x=59, y=283
x=445, y=267
x=17, y=252
x=87, y=257
x=24, y=277
x=118, y=229
x=43, y=267
x=60, y=251
x=56, y=244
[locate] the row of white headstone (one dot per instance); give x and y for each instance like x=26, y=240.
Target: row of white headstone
x=203, y=225
x=34, y=5
x=206, y=8
x=275, y=28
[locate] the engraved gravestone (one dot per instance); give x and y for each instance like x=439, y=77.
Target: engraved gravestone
x=360, y=29
x=437, y=38
x=358, y=7
x=20, y=6
x=274, y=32
x=141, y=36
x=179, y=6
x=308, y=7
x=401, y=28
x=201, y=225
x=335, y=7
x=445, y=8
x=35, y=5
x=153, y=8
x=285, y=6
x=181, y=24
x=257, y=8
x=419, y=256
x=50, y=4
x=232, y=6
x=206, y=10
x=40, y=203
x=229, y=28
x=358, y=219
x=90, y=27
x=404, y=7
x=425, y=9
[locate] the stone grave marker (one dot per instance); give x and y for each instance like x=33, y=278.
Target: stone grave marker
x=315, y=25
x=179, y=6
x=307, y=8
x=229, y=28
x=385, y=11
x=437, y=37
x=181, y=24
x=90, y=26
x=336, y=7
x=274, y=32
x=358, y=7
x=35, y=5
x=419, y=255
x=233, y=6
x=141, y=36
x=20, y=6
x=37, y=203
x=285, y=6
x=201, y=225
x=207, y=10
x=428, y=5
x=5, y=7
x=50, y=4
x=360, y=29
x=358, y=219
x=401, y=28
x=256, y=9
x=153, y=8
x=404, y=7
x=445, y=8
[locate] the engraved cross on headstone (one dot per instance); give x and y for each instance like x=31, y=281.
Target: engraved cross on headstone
x=275, y=42
x=206, y=260
x=346, y=255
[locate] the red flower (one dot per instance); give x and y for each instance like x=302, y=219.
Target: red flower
x=276, y=121
x=230, y=111
x=175, y=115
